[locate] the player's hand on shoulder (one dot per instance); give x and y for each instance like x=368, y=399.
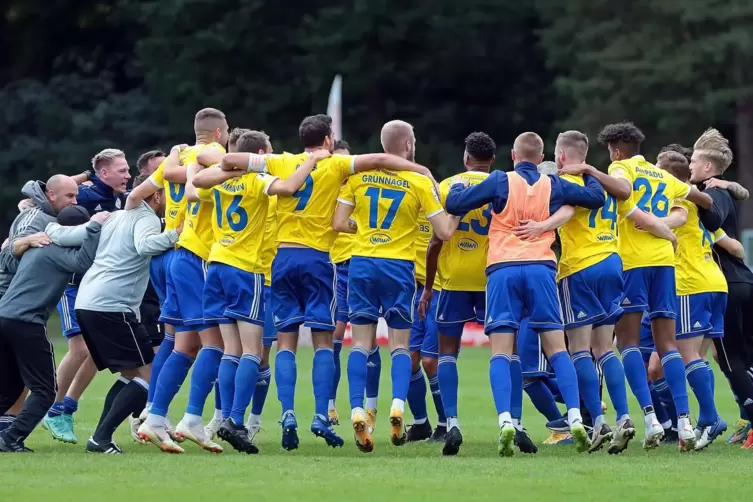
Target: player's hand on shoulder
x=528, y=229
x=574, y=169
x=101, y=217
x=459, y=180
x=716, y=183
x=39, y=240
x=320, y=154
x=26, y=204
x=180, y=147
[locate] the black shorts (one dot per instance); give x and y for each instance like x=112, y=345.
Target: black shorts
x=155, y=331
x=116, y=340
x=735, y=350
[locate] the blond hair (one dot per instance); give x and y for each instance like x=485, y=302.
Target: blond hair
x=208, y=119
x=575, y=141
x=395, y=134
x=714, y=148
x=106, y=157
x=529, y=146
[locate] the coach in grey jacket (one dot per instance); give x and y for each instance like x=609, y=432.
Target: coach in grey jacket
x=26, y=355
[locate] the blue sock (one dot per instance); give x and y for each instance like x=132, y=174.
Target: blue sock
x=516, y=387
x=70, y=405
x=712, y=378
x=171, y=378
x=56, y=410
x=447, y=374
x=635, y=372
x=542, y=399
x=357, y=375
x=697, y=374
x=226, y=381
x=567, y=379
x=245, y=384
x=499, y=377
x=417, y=395
x=164, y=351
x=436, y=395
x=203, y=377
x=614, y=375
x=661, y=411
x=322, y=375
x=554, y=388
x=262, y=388
x=674, y=373
x=588, y=382
x=373, y=372
x=286, y=374
x=665, y=397
x=401, y=365
x=338, y=347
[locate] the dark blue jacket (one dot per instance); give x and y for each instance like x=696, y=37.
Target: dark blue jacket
x=99, y=197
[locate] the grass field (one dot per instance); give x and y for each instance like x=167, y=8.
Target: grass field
x=412, y=472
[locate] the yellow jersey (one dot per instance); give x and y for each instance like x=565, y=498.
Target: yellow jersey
x=386, y=207
x=175, y=202
x=198, y=234
x=269, y=247
x=695, y=268
x=654, y=191
x=422, y=244
x=305, y=218
x=462, y=262
x=342, y=247
x=589, y=237
x=238, y=218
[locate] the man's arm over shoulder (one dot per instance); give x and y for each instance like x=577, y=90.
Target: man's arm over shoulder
x=590, y=196
x=148, y=238
x=66, y=236
x=493, y=189
x=78, y=261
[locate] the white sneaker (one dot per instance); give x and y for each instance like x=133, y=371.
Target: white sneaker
x=624, y=432
x=253, y=429
x=654, y=435
x=686, y=434
x=197, y=435
x=158, y=436
x=170, y=429
x=212, y=427
x=134, y=424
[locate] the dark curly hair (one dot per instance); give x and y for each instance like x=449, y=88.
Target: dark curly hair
x=480, y=146
x=674, y=147
x=624, y=132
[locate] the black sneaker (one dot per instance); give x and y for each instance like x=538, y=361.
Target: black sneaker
x=7, y=446
x=439, y=435
x=452, y=441
x=107, y=448
x=419, y=432
x=524, y=442
x=670, y=436
x=237, y=436
x=600, y=437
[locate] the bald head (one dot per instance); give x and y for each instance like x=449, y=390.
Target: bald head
x=61, y=192
x=528, y=147
x=398, y=139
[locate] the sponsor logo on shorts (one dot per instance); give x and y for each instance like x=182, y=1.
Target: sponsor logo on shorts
x=380, y=239
x=467, y=244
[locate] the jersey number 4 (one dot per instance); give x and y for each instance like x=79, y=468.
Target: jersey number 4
x=374, y=193
x=236, y=216
x=608, y=212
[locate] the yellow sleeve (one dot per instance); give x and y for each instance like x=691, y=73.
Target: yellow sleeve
x=158, y=177
x=680, y=190
x=347, y=195
x=204, y=194
x=265, y=180
x=275, y=165
x=429, y=198
x=719, y=235
x=619, y=170
x=344, y=164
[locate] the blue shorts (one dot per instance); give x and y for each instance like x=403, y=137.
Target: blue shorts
x=381, y=285
x=424, y=335
x=184, y=303
x=158, y=267
x=66, y=305
x=303, y=290
x=513, y=290
x=342, y=291
x=593, y=295
x=232, y=294
x=701, y=314
x=646, y=344
x=455, y=308
x=270, y=333
x=650, y=289
x=532, y=357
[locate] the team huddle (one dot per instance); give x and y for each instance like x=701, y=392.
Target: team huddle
x=254, y=245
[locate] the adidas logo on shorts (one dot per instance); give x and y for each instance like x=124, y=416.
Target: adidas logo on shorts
x=490, y=319
x=277, y=319
x=748, y=402
x=581, y=314
x=626, y=301
x=441, y=317
x=697, y=324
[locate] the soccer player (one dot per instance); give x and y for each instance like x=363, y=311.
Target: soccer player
x=711, y=158
x=648, y=270
x=196, y=337
x=521, y=274
x=233, y=293
x=76, y=371
x=303, y=278
x=461, y=264
x=148, y=162
x=385, y=206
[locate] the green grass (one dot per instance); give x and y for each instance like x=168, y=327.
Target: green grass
x=415, y=471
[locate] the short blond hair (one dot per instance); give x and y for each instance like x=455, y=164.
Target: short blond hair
x=575, y=141
x=529, y=146
x=395, y=134
x=208, y=119
x=714, y=148
x=106, y=157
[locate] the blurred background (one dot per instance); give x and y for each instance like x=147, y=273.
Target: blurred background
x=77, y=76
